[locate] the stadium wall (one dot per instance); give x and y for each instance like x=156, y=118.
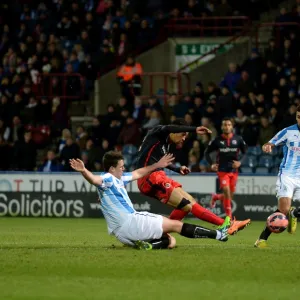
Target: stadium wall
x=69, y=195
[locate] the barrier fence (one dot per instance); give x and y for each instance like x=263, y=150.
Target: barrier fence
x=69, y=195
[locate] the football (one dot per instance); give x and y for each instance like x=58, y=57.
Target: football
x=277, y=222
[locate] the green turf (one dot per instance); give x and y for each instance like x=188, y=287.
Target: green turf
x=76, y=259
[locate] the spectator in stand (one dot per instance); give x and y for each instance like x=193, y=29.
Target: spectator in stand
x=17, y=130
x=51, y=163
x=130, y=76
x=266, y=131
x=93, y=151
x=25, y=153
x=5, y=154
x=138, y=110
x=130, y=133
x=69, y=151
x=245, y=85
x=155, y=119
x=97, y=131
x=231, y=78
x=65, y=134
x=81, y=137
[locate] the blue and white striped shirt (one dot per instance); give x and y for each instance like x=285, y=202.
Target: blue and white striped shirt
x=290, y=139
x=114, y=200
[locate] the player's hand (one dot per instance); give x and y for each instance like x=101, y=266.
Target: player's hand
x=215, y=167
x=184, y=170
x=202, y=130
x=165, y=161
x=267, y=148
x=236, y=164
x=77, y=165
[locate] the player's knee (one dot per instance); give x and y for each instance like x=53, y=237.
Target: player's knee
x=284, y=210
x=185, y=205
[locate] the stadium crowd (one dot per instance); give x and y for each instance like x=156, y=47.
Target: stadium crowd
x=85, y=37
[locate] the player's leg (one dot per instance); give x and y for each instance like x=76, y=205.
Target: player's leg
x=165, y=242
x=195, y=231
x=217, y=196
x=284, y=205
x=182, y=200
x=284, y=192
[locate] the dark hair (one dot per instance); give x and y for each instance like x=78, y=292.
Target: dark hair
x=298, y=108
x=226, y=119
x=180, y=121
x=111, y=159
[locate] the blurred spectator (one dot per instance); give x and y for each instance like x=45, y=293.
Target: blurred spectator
x=97, y=131
x=266, y=131
x=51, y=163
x=4, y=131
x=5, y=154
x=94, y=152
x=138, y=110
x=70, y=150
x=81, y=137
x=65, y=134
x=130, y=133
x=129, y=76
x=155, y=119
x=231, y=78
x=25, y=153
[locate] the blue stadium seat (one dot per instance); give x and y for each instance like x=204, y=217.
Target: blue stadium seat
x=274, y=170
x=277, y=161
x=265, y=161
x=246, y=170
x=256, y=150
x=127, y=160
x=249, y=161
x=129, y=150
x=262, y=170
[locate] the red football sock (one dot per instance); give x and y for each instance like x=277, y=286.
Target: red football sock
x=227, y=207
x=178, y=214
x=217, y=197
x=206, y=215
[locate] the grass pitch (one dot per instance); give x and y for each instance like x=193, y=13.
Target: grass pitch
x=76, y=259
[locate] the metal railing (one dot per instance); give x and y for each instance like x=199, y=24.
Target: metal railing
x=276, y=30
x=167, y=82
x=62, y=85
x=212, y=26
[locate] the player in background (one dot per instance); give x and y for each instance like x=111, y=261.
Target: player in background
x=288, y=180
x=141, y=230
x=159, y=141
x=228, y=147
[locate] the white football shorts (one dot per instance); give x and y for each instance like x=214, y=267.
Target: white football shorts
x=288, y=187
x=141, y=226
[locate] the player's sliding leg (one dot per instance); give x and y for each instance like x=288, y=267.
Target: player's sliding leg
x=185, y=202
x=194, y=231
x=165, y=242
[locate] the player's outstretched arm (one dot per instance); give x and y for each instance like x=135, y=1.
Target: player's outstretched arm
x=164, y=162
x=78, y=166
x=268, y=147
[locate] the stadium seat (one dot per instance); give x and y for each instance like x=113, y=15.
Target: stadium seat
x=265, y=161
x=277, y=161
x=274, y=170
x=262, y=170
x=127, y=160
x=129, y=150
x=256, y=151
x=246, y=170
x=249, y=161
